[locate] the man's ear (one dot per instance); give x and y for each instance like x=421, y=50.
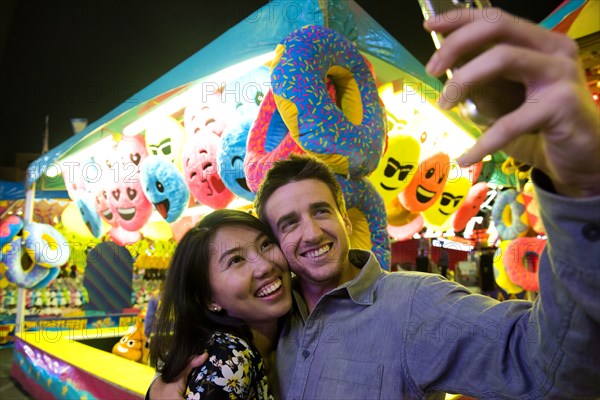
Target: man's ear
x=348, y=224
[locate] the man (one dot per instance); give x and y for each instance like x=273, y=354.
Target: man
x=357, y=332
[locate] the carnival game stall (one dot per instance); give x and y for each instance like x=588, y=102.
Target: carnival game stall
x=329, y=82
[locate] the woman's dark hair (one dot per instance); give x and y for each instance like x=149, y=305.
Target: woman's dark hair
x=184, y=323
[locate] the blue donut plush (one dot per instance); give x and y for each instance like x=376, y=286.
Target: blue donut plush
x=367, y=213
x=26, y=277
x=46, y=246
x=508, y=215
x=9, y=228
x=164, y=187
x=348, y=133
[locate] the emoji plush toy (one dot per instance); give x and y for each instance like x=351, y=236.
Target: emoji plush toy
x=126, y=197
x=86, y=206
x=455, y=191
x=165, y=137
x=397, y=165
x=201, y=173
x=470, y=207
x=130, y=346
x=205, y=114
x=164, y=187
x=250, y=90
x=427, y=184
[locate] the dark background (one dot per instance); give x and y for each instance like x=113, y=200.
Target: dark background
x=75, y=58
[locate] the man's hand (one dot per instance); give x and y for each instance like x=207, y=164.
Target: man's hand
x=557, y=127
x=159, y=390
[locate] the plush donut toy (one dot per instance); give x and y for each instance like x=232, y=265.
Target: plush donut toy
x=52, y=274
x=521, y=261
x=45, y=245
x=268, y=141
x=164, y=187
x=250, y=91
x=502, y=279
x=397, y=165
x=28, y=276
x=367, y=215
x=201, y=174
x=470, y=207
x=347, y=134
x=508, y=215
x=455, y=191
x=164, y=137
x=9, y=228
x=427, y=184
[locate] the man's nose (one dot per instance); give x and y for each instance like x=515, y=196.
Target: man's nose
x=311, y=230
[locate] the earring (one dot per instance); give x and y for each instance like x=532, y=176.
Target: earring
x=215, y=309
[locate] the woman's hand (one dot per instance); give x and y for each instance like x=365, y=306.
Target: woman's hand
x=160, y=390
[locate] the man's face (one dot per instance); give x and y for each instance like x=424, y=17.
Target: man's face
x=312, y=233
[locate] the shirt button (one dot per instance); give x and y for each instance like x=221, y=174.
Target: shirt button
x=305, y=353
x=591, y=232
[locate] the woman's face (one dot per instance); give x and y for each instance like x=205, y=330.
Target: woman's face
x=249, y=276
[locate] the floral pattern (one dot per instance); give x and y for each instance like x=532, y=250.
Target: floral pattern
x=234, y=370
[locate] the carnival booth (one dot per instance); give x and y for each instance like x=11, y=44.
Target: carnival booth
x=319, y=78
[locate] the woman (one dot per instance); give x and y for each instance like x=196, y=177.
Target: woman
x=227, y=286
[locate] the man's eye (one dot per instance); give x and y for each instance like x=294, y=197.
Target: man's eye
x=286, y=226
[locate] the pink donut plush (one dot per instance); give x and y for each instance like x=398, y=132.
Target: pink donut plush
x=268, y=141
x=521, y=261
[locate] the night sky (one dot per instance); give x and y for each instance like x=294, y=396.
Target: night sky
x=74, y=58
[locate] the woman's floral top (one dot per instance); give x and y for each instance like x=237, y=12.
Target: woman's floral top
x=234, y=370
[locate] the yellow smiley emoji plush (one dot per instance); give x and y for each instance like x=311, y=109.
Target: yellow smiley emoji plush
x=397, y=166
x=455, y=191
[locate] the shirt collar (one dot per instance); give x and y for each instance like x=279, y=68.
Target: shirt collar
x=361, y=289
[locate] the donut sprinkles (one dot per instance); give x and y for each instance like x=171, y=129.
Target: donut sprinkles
x=349, y=133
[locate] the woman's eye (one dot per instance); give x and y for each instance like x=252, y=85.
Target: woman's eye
x=266, y=244
x=235, y=260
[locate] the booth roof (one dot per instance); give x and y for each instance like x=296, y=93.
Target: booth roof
x=257, y=35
